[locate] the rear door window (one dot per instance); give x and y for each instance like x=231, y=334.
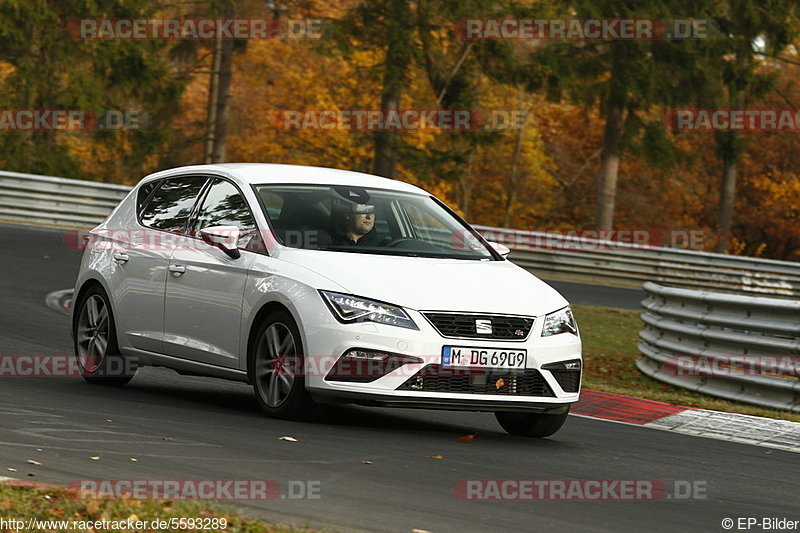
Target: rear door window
x=170, y=206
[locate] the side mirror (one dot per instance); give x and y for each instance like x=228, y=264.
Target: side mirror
x=500, y=248
x=223, y=237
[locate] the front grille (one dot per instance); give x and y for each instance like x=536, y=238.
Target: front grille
x=569, y=380
x=460, y=380
x=464, y=325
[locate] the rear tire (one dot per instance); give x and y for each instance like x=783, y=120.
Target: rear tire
x=531, y=424
x=277, y=365
x=95, y=342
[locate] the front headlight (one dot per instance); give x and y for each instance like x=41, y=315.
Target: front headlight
x=560, y=321
x=348, y=309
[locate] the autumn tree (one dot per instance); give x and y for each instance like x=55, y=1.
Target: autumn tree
x=749, y=29
x=47, y=68
x=623, y=79
x=386, y=28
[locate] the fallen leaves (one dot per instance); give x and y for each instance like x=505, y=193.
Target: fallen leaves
x=499, y=383
x=366, y=462
x=11, y=469
x=166, y=438
x=467, y=438
x=95, y=458
x=288, y=439
x=435, y=456
x=134, y=459
x=32, y=462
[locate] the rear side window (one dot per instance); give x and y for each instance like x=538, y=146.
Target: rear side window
x=170, y=206
x=143, y=194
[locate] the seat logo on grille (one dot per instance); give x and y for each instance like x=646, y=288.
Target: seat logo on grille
x=483, y=327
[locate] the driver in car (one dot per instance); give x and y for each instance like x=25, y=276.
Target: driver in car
x=355, y=228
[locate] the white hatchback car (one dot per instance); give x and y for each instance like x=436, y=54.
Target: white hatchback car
x=316, y=286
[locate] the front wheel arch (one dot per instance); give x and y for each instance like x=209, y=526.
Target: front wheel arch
x=297, y=403
x=255, y=324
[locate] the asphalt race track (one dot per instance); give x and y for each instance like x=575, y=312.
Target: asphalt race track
x=216, y=432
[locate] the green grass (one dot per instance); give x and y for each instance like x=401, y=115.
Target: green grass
x=609, y=339
x=23, y=503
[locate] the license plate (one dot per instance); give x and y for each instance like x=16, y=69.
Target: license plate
x=483, y=357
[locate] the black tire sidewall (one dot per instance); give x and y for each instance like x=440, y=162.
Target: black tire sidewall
x=298, y=405
x=536, y=425
x=112, y=348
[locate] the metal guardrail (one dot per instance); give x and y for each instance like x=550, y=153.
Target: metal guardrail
x=57, y=201
x=720, y=344
x=618, y=263
x=83, y=204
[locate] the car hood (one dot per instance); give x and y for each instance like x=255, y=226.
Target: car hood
x=428, y=284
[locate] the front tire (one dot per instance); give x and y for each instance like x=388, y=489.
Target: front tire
x=531, y=424
x=277, y=365
x=95, y=342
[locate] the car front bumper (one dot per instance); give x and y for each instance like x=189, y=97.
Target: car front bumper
x=393, y=389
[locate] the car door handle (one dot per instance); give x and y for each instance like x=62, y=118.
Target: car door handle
x=119, y=257
x=177, y=270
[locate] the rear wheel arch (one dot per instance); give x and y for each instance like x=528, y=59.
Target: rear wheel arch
x=86, y=287
x=110, y=366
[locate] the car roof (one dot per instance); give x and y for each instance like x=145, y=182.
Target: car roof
x=265, y=173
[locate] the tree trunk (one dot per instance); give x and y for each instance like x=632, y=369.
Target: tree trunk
x=385, y=142
x=218, y=94
x=223, y=97
x=727, y=194
x=465, y=190
x=609, y=166
x=730, y=148
x=610, y=154
x=213, y=92
x=394, y=78
x=512, y=184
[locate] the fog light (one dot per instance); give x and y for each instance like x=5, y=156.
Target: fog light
x=574, y=364
x=364, y=366
x=566, y=373
x=364, y=354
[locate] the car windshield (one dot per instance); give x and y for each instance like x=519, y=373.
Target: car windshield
x=367, y=220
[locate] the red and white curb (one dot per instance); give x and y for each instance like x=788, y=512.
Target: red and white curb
x=745, y=429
